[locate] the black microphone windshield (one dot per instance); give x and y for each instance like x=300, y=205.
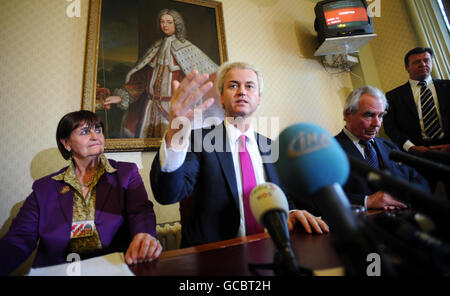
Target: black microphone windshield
x=419, y=162
x=436, y=208
x=439, y=156
x=269, y=205
x=313, y=165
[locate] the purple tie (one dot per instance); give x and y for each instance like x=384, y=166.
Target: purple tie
x=248, y=183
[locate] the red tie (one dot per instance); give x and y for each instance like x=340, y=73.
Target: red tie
x=248, y=183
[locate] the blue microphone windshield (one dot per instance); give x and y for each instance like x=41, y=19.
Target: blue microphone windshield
x=310, y=159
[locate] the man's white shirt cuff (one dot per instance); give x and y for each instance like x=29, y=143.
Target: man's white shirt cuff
x=170, y=159
x=408, y=144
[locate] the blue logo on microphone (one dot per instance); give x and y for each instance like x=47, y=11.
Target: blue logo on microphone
x=306, y=142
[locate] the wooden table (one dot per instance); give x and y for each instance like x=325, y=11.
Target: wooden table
x=231, y=257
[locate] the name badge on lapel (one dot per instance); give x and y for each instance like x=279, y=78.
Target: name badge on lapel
x=82, y=229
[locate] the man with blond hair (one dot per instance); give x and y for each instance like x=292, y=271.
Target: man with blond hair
x=211, y=173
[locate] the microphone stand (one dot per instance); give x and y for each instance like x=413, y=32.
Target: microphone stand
x=280, y=267
x=284, y=262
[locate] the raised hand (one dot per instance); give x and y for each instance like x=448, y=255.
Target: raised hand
x=183, y=104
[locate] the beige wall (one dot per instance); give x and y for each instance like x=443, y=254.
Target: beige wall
x=382, y=59
x=41, y=66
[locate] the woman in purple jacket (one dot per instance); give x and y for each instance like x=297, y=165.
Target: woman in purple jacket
x=92, y=207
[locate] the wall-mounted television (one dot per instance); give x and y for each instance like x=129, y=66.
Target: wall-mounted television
x=342, y=18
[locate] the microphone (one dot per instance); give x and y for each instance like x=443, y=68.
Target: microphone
x=437, y=208
x=440, y=156
x=435, y=254
x=419, y=162
x=312, y=163
x=270, y=208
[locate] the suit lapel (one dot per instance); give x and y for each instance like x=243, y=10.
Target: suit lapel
x=102, y=194
x=226, y=163
x=440, y=91
x=384, y=152
x=383, y=156
x=271, y=173
x=65, y=199
x=442, y=94
x=348, y=146
x=407, y=99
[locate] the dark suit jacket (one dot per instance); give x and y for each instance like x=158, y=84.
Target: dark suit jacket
x=402, y=120
x=357, y=186
x=46, y=215
x=210, y=178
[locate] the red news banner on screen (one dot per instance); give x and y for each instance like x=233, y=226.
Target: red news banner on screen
x=346, y=15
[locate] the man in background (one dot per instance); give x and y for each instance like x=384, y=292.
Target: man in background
x=418, y=120
x=218, y=181
x=363, y=114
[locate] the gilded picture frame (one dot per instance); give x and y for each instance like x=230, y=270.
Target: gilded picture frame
x=113, y=26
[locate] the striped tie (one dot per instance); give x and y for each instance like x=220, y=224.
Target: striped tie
x=430, y=118
x=370, y=155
